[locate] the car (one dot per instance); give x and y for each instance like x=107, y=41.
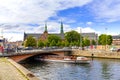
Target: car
x=28, y=48
x=67, y=48
x=118, y=50
x=113, y=49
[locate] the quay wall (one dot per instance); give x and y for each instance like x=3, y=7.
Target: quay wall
x=96, y=53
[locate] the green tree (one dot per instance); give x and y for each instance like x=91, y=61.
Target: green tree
x=59, y=43
x=46, y=43
x=72, y=37
x=109, y=39
x=105, y=39
x=30, y=42
x=40, y=43
x=102, y=39
x=83, y=43
x=66, y=43
x=62, y=43
x=53, y=43
x=93, y=42
x=54, y=38
x=86, y=42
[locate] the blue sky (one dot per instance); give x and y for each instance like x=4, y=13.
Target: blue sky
x=19, y=16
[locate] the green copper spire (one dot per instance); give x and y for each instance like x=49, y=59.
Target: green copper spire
x=61, y=31
x=45, y=27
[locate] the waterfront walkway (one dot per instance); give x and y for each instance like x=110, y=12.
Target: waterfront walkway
x=10, y=70
x=97, y=54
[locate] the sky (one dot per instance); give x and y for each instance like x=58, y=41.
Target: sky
x=30, y=16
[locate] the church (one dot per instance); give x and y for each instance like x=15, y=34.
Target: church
x=43, y=36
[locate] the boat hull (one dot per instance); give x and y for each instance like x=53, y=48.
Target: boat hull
x=66, y=61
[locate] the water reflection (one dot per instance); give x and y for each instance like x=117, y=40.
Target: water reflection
x=98, y=69
x=106, y=71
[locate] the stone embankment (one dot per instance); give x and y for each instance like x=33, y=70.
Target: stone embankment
x=10, y=70
x=97, y=54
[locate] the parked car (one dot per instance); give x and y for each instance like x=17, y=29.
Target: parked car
x=118, y=50
x=113, y=49
x=28, y=48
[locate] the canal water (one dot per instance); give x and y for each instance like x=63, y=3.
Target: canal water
x=98, y=69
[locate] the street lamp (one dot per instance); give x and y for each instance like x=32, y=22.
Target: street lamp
x=106, y=39
x=80, y=38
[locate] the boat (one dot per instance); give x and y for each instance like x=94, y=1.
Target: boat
x=66, y=59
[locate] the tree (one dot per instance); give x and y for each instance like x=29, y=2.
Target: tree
x=53, y=43
x=72, y=37
x=59, y=43
x=66, y=44
x=40, y=43
x=86, y=42
x=53, y=40
x=62, y=43
x=93, y=42
x=102, y=39
x=46, y=43
x=109, y=39
x=30, y=42
x=105, y=39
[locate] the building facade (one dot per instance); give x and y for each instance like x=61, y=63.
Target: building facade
x=90, y=36
x=116, y=40
x=43, y=36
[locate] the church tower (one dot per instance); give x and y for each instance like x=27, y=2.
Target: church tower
x=44, y=36
x=61, y=30
x=45, y=28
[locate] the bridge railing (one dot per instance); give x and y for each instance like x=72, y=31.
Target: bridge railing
x=32, y=51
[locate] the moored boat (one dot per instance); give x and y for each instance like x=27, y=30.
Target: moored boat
x=66, y=59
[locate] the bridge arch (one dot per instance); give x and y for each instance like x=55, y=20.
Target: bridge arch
x=21, y=57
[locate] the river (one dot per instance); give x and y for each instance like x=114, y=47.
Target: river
x=98, y=69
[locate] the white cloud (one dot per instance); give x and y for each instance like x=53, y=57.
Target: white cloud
x=13, y=36
x=89, y=23
x=107, y=10
x=85, y=30
x=25, y=11
x=15, y=14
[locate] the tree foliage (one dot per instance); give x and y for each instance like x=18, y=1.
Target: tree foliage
x=53, y=43
x=93, y=42
x=86, y=42
x=102, y=39
x=40, y=43
x=105, y=39
x=109, y=39
x=54, y=40
x=73, y=37
x=30, y=42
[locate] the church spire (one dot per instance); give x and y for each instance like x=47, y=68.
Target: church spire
x=61, y=31
x=45, y=27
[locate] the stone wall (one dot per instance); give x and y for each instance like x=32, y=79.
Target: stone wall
x=96, y=53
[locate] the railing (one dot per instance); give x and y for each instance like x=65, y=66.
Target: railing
x=34, y=51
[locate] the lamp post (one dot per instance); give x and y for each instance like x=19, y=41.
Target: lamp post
x=80, y=38
x=106, y=39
